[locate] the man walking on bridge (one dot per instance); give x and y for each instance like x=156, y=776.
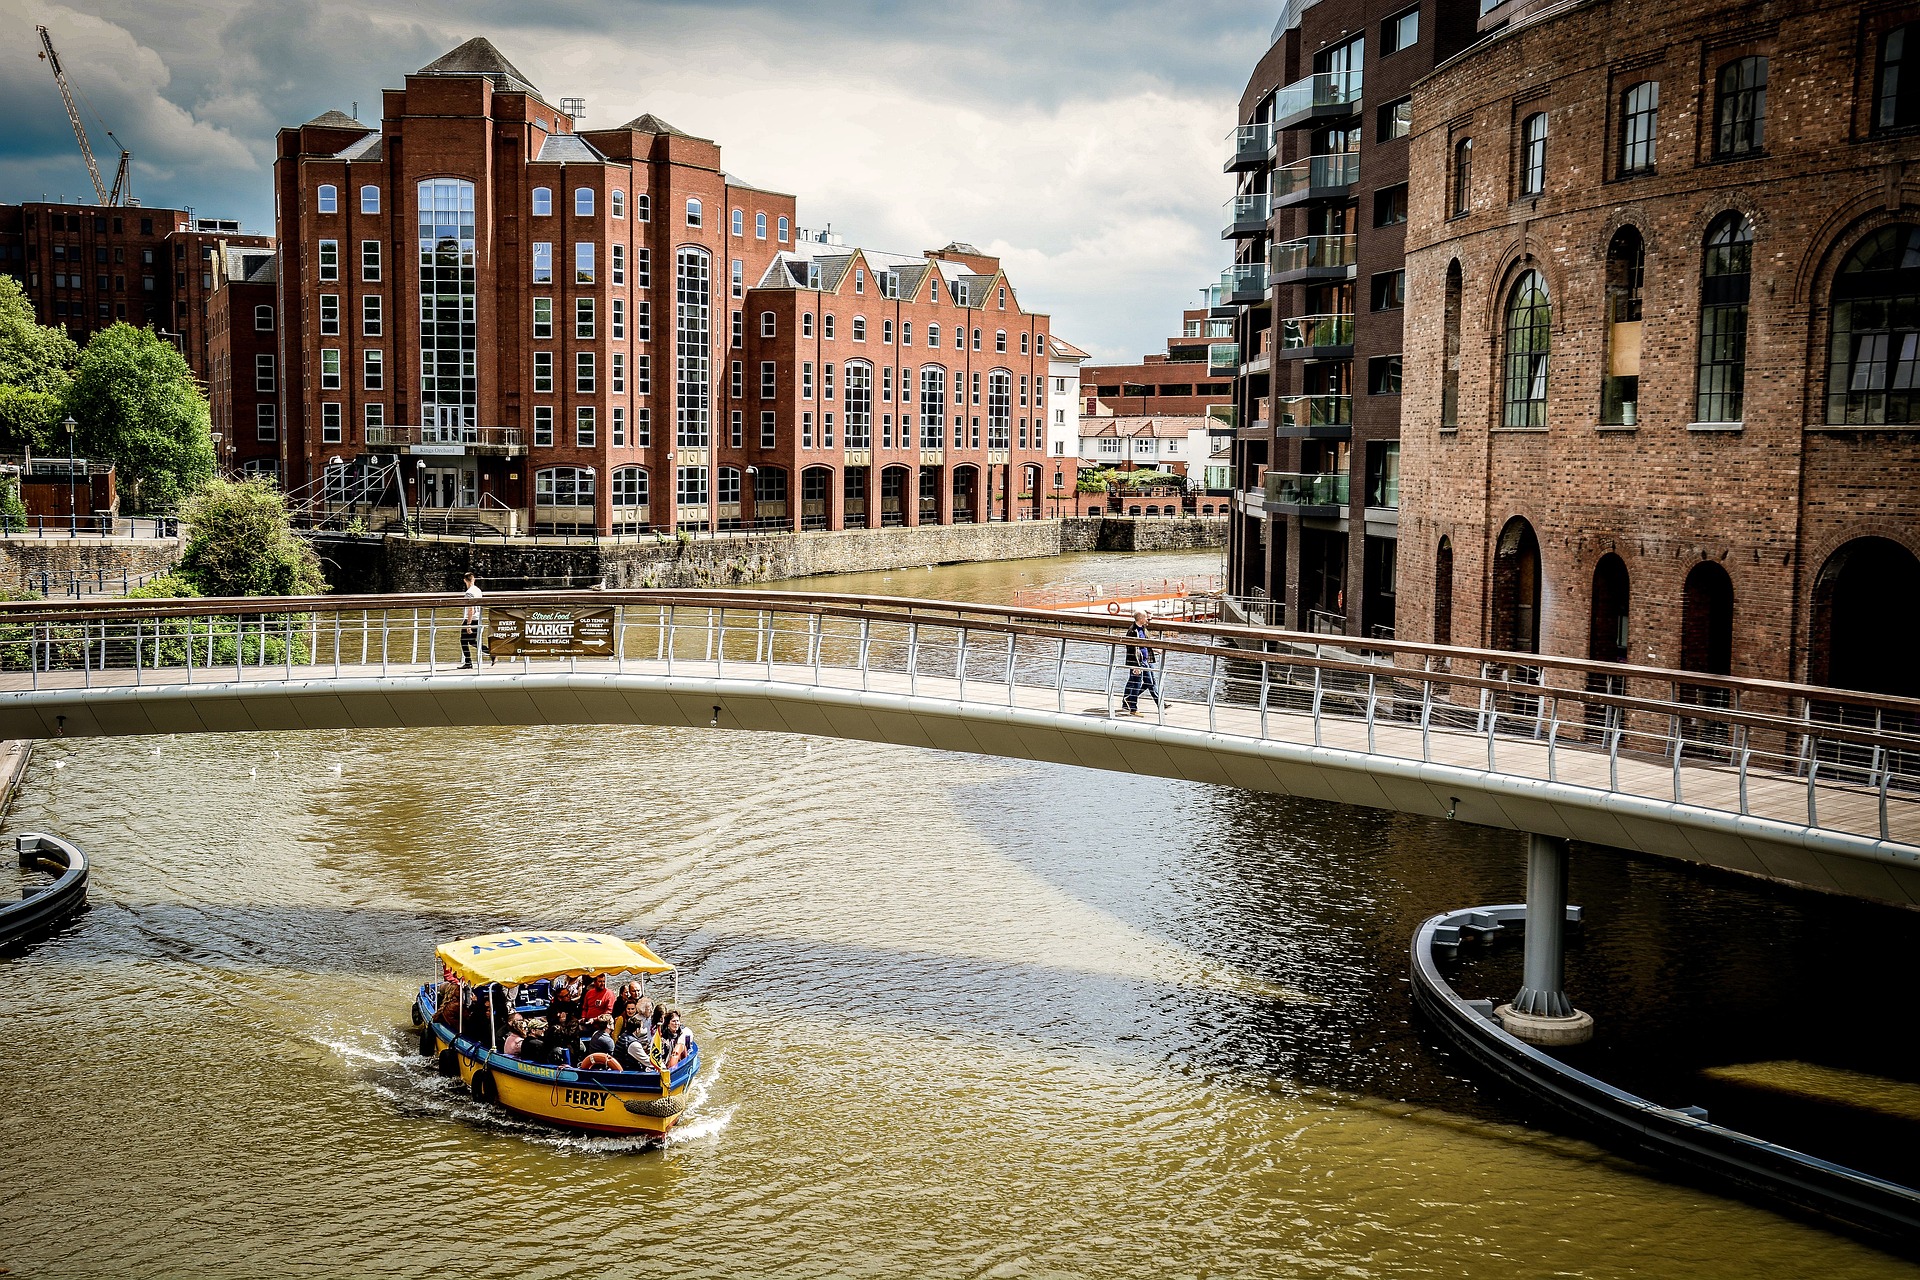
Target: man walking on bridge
x=469, y=623
x=1140, y=659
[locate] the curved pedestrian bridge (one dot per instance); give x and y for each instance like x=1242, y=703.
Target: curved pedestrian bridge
x=1816, y=786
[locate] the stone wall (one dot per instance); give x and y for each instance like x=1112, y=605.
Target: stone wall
x=22, y=559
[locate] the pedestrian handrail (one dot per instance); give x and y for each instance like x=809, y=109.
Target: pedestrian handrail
x=1817, y=758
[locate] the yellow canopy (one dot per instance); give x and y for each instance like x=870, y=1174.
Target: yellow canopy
x=528, y=957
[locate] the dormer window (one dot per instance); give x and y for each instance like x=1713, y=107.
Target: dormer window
x=542, y=202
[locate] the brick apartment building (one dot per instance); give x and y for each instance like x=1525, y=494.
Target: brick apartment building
x=1179, y=382
x=1663, y=393
x=601, y=329
x=85, y=267
x=1311, y=309
x=242, y=359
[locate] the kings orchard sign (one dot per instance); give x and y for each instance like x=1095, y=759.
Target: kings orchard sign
x=550, y=632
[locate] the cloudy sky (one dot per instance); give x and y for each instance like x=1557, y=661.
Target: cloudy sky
x=1079, y=139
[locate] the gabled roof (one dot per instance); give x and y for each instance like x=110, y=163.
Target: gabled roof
x=334, y=120
x=568, y=148
x=1152, y=427
x=478, y=57
x=1060, y=349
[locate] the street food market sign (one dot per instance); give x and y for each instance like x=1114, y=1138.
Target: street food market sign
x=550, y=632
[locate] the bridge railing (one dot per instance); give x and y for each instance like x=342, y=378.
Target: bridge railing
x=1809, y=756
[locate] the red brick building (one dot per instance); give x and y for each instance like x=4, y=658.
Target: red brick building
x=243, y=359
x=601, y=329
x=1179, y=382
x=1663, y=392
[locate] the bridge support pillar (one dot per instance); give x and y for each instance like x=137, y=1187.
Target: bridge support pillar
x=1541, y=1014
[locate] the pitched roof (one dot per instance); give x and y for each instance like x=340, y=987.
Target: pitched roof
x=1156, y=427
x=647, y=122
x=478, y=57
x=570, y=148
x=1061, y=349
x=335, y=120
x=367, y=148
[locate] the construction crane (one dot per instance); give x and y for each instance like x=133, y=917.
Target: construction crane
x=122, y=178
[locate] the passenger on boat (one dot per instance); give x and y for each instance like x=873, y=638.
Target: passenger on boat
x=516, y=1036
x=631, y=991
x=447, y=1012
x=674, y=1043
x=563, y=995
x=597, y=1001
x=563, y=1036
x=599, y=1037
x=635, y=1019
x=633, y=1052
x=533, y=1045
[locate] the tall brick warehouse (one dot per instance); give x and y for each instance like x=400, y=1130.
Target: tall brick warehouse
x=602, y=330
x=1663, y=356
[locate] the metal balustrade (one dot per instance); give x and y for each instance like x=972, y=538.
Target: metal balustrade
x=1817, y=758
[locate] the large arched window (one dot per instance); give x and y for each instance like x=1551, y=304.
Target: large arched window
x=1450, y=366
x=1639, y=127
x=859, y=405
x=1462, y=177
x=1725, y=280
x=563, y=487
x=933, y=407
x=1866, y=608
x=1706, y=620
x=1740, y=108
x=1529, y=339
x=1533, y=154
x=1873, y=357
x=1518, y=585
x=1626, y=273
x=1607, y=625
x=629, y=487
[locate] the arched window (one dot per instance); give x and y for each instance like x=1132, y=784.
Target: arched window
x=630, y=487
x=859, y=404
x=739, y=227
x=263, y=319
x=783, y=226
x=327, y=199
x=1533, y=154
x=1620, y=384
x=1740, y=108
x=1607, y=625
x=1866, y=608
x=1725, y=279
x=1000, y=341
x=1873, y=362
x=1897, y=91
x=999, y=409
x=1529, y=339
x=1462, y=177
x=1706, y=620
x=693, y=212
x=1450, y=367
x=1023, y=344
x=760, y=226
x=1443, y=593
x=563, y=487
x=933, y=336
x=583, y=202
x=542, y=202
x=933, y=407
x=1517, y=589
x=859, y=328
x=369, y=199
x=1639, y=127
x=767, y=324
x=727, y=489
x=617, y=203
x=642, y=207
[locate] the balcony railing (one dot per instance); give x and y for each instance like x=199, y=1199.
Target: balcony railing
x=1317, y=173
x=1318, y=94
x=398, y=435
x=1223, y=358
x=1245, y=282
x=1248, y=146
x=1313, y=253
x=1305, y=415
x=1308, y=489
x=1301, y=332
x=1248, y=214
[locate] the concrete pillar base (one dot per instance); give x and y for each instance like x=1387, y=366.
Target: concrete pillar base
x=1547, y=1033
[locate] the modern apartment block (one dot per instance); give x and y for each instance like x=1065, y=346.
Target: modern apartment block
x=1663, y=393
x=601, y=330
x=86, y=267
x=1314, y=301
x=1180, y=382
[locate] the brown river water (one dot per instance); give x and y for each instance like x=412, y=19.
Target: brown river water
x=961, y=1017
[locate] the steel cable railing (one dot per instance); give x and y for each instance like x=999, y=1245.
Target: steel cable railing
x=1817, y=757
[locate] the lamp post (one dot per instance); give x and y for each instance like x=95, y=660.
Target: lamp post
x=73, y=513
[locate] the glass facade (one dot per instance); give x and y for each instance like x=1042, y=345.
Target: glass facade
x=693, y=357
x=449, y=343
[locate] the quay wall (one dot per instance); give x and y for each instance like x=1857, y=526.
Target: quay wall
x=22, y=558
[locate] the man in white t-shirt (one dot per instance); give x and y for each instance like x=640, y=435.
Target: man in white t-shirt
x=469, y=623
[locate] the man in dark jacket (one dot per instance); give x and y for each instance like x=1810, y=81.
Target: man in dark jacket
x=1140, y=660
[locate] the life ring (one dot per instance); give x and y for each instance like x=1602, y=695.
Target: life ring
x=600, y=1062
x=482, y=1087
x=449, y=1062
x=1113, y=606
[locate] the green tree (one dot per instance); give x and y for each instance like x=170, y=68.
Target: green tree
x=36, y=366
x=13, y=510
x=140, y=408
x=241, y=542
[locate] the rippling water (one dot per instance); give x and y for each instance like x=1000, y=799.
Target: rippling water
x=964, y=1017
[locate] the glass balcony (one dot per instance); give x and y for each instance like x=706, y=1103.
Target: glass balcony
x=1314, y=417
x=1247, y=146
x=1223, y=359
x=1247, y=215
x=1304, y=333
x=1333, y=255
x=1308, y=489
x=1317, y=178
x=1245, y=282
x=1318, y=97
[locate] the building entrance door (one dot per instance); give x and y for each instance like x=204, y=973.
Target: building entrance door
x=442, y=487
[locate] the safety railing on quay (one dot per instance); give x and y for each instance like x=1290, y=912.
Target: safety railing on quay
x=1819, y=757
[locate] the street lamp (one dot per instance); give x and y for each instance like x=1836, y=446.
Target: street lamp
x=73, y=513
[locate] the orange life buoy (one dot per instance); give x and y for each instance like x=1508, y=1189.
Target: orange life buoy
x=1113, y=606
x=601, y=1062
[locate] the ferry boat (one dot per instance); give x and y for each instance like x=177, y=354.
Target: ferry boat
x=580, y=1097
x=1195, y=598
